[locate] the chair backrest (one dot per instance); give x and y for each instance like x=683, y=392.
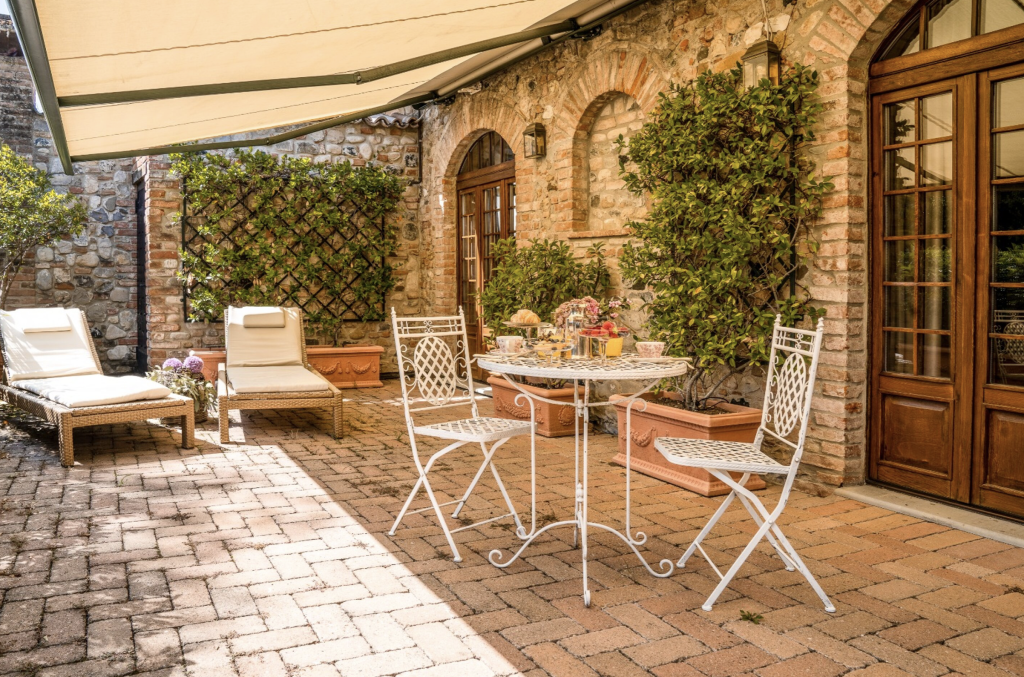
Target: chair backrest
x=792, y=369
x=257, y=336
x=433, y=362
x=47, y=343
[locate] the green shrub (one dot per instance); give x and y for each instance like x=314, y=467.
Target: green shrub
x=32, y=215
x=539, y=277
x=730, y=196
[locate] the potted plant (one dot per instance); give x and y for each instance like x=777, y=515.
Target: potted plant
x=540, y=277
x=721, y=249
x=186, y=378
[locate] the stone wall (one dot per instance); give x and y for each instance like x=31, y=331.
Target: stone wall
x=389, y=141
x=637, y=55
x=97, y=270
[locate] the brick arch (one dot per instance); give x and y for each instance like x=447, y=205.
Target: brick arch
x=618, y=70
x=462, y=125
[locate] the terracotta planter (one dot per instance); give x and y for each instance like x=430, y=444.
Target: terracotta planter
x=553, y=420
x=663, y=421
x=348, y=367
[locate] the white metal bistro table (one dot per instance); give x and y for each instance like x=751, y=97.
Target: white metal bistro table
x=585, y=370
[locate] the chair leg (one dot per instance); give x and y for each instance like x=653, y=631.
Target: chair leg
x=771, y=539
x=802, y=568
x=479, y=473
x=188, y=428
x=222, y=413
x=405, y=508
x=706, y=530
x=66, y=441
x=441, y=519
x=338, y=417
x=734, y=569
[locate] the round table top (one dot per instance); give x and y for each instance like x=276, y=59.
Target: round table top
x=586, y=369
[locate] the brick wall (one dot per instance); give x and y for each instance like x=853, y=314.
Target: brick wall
x=385, y=141
x=97, y=270
x=637, y=55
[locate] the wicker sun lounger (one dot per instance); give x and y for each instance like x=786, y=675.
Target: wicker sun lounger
x=67, y=418
x=266, y=367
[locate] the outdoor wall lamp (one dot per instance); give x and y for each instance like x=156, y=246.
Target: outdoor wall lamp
x=535, y=141
x=762, y=60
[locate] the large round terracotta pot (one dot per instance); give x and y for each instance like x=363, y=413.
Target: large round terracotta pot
x=659, y=420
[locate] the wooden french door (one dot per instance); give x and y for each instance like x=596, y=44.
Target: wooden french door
x=947, y=318
x=486, y=214
x=999, y=402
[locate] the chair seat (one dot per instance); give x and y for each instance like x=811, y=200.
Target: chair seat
x=480, y=429
x=717, y=455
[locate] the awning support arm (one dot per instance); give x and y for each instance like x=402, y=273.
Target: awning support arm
x=30, y=35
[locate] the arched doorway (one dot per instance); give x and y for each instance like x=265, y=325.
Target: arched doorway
x=486, y=186
x=947, y=238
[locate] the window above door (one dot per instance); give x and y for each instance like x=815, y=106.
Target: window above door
x=942, y=22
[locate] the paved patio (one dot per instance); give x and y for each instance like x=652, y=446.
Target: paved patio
x=271, y=558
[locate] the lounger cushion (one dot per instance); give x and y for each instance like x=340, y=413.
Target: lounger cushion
x=268, y=317
x=49, y=354
x=263, y=346
x=284, y=379
x=94, y=389
x=42, y=320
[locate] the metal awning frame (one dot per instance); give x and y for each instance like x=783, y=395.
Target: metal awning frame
x=530, y=42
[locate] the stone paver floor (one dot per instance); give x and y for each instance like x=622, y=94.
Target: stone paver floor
x=271, y=557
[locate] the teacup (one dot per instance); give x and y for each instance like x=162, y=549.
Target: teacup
x=510, y=344
x=650, y=348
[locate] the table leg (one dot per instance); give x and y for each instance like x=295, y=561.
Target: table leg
x=581, y=489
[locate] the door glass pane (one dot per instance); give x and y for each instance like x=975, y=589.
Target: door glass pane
x=1008, y=103
x=933, y=355
x=909, y=41
x=899, y=306
x=1006, y=354
x=938, y=212
x=936, y=260
x=899, y=261
x=937, y=164
x=899, y=352
x=1008, y=154
x=899, y=122
x=937, y=116
x=1008, y=207
x=899, y=169
x=998, y=14
x=948, y=21
x=1008, y=258
x=899, y=214
x=933, y=305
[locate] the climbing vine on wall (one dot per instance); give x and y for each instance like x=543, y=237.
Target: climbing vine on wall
x=265, y=230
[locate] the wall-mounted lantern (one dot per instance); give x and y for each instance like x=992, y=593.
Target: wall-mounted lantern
x=535, y=143
x=762, y=60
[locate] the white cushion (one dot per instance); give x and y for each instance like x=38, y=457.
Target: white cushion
x=51, y=354
x=262, y=316
x=284, y=379
x=263, y=346
x=95, y=389
x=41, y=320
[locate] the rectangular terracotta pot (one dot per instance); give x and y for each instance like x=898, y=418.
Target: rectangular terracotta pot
x=740, y=425
x=552, y=420
x=348, y=367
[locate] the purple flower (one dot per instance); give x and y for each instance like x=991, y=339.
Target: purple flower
x=172, y=363
x=193, y=364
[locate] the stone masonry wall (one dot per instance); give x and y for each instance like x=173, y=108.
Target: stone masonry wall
x=387, y=141
x=97, y=270
x=638, y=54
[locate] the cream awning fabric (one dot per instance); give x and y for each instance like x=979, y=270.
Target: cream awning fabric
x=129, y=77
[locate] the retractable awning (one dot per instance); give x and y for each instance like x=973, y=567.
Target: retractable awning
x=119, y=78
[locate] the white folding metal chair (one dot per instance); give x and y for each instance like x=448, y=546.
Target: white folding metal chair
x=792, y=368
x=434, y=364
